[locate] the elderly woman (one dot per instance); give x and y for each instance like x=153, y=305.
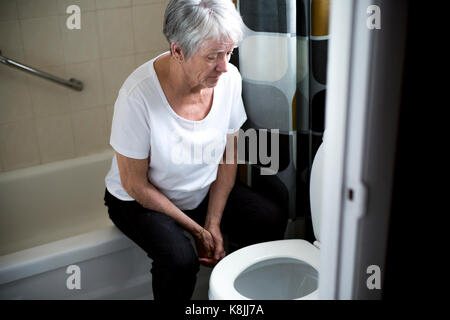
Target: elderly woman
x=175, y=118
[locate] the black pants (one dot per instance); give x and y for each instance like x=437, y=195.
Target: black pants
x=248, y=218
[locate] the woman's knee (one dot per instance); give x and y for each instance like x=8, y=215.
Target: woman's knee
x=270, y=211
x=273, y=217
x=263, y=211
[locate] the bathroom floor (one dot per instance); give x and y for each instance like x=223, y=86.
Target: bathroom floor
x=202, y=285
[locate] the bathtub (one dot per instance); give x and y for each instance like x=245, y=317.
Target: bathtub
x=57, y=242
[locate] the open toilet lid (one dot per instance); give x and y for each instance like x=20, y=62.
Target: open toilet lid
x=315, y=190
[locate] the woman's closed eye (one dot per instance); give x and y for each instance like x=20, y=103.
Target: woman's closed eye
x=214, y=57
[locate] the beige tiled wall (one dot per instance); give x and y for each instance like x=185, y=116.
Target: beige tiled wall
x=41, y=121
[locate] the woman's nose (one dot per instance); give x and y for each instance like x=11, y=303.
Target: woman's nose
x=222, y=65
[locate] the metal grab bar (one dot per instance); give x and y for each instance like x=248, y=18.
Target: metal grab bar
x=71, y=83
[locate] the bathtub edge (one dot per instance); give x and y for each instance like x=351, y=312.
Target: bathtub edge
x=53, y=255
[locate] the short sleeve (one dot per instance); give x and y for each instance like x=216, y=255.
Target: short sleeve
x=238, y=115
x=130, y=130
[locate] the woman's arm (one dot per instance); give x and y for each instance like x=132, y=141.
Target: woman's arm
x=133, y=175
x=221, y=187
x=218, y=194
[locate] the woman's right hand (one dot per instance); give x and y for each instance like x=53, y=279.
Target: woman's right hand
x=204, y=242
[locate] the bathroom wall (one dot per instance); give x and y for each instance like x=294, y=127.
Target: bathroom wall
x=41, y=121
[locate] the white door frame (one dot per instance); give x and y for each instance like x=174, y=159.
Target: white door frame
x=362, y=106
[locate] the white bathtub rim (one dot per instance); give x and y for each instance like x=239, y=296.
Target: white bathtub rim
x=57, y=254
x=41, y=169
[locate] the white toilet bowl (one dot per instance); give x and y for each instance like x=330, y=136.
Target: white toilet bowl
x=275, y=270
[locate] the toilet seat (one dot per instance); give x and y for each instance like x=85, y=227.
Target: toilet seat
x=230, y=267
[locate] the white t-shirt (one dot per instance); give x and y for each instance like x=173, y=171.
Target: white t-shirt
x=184, y=154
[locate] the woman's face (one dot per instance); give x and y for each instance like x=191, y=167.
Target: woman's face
x=205, y=66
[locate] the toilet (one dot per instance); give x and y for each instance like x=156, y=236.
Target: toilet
x=274, y=270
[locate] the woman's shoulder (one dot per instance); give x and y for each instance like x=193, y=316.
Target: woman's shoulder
x=139, y=75
x=141, y=80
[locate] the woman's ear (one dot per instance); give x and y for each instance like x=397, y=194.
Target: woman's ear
x=177, y=52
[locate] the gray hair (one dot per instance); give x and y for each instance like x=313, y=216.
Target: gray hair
x=190, y=22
